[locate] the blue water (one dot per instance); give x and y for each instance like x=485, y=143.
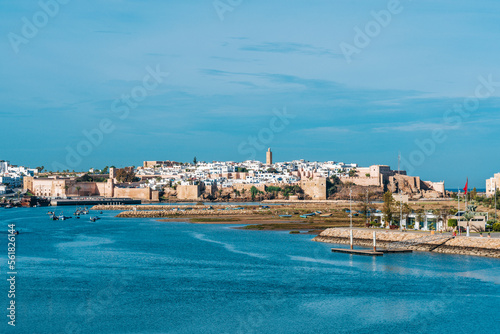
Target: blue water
x=144, y=276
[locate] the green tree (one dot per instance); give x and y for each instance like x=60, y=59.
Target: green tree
x=473, y=194
x=195, y=161
x=254, y=191
x=333, y=185
x=125, y=176
x=420, y=215
x=365, y=203
x=78, y=190
x=444, y=213
x=388, y=207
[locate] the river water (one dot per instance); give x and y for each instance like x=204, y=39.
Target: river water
x=145, y=276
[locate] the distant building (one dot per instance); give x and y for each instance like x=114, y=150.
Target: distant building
x=4, y=166
x=492, y=184
x=269, y=157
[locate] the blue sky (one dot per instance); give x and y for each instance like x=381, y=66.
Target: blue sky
x=228, y=77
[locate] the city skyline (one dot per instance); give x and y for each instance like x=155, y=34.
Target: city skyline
x=350, y=95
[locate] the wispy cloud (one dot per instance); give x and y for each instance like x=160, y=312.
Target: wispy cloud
x=112, y=32
x=276, y=47
x=415, y=127
x=324, y=130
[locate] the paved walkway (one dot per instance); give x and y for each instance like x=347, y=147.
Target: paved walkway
x=472, y=234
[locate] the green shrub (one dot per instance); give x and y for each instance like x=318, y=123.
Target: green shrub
x=452, y=222
x=496, y=227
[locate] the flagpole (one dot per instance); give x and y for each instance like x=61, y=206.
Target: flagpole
x=496, y=218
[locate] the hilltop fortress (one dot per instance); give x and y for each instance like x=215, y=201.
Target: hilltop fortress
x=232, y=180
x=248, y=180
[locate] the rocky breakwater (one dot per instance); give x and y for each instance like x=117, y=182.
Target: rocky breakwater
x=489, y=247
x=181, y=213
x=161, y=207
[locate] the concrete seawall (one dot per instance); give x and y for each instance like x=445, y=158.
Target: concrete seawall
x=489, y=247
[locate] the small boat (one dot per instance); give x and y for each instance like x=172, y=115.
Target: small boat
x=317, y=212
x=8, y=206
x=50, y=213
x=63, y=217
x=326, y=215
x=306, y=215
x=54, y=217
x=285, y=216
x=93, y=219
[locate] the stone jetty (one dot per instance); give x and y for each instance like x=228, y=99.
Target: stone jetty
x=489, y=247
x=204, y=208
x=179, y=213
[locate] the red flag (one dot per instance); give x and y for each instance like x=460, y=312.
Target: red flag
x=466, y=186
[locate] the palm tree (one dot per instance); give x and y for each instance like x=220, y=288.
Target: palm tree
x=420, y=217
x=78, y=190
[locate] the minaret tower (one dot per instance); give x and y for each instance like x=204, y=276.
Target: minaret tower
x=269, y=157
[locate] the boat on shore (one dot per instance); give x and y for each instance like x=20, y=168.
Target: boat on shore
x=285, y=216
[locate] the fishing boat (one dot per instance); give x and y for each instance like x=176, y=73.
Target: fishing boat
x=63, y=217
x=326, y=215
x=285, y=216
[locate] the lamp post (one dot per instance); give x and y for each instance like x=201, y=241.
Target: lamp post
x=496, y=218
x=458, y=213
x=401, y=209
x=350, y=206
x=350, y=215
x=366, y=209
